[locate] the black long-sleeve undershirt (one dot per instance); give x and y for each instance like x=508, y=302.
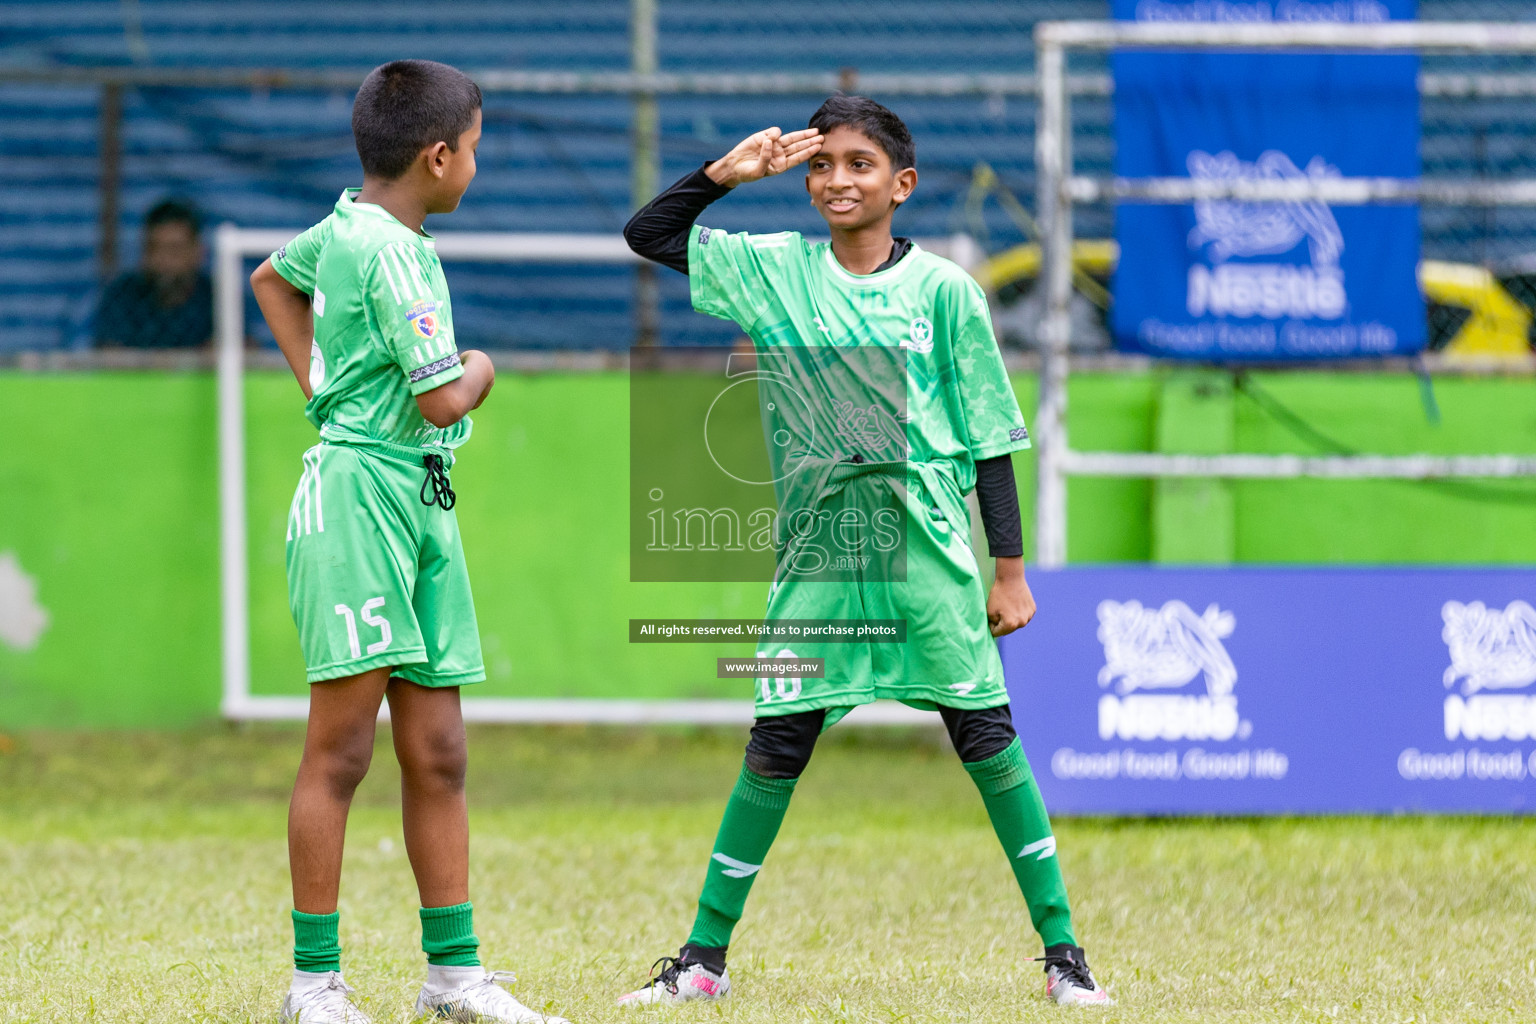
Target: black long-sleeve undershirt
x=659, y=232
x=998, y=497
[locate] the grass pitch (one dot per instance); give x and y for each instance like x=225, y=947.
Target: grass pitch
x=143, y=878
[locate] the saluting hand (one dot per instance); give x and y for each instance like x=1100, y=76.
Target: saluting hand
x=764, y=154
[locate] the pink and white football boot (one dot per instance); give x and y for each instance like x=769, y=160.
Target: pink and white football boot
x=683, y=978
x=1068, y=981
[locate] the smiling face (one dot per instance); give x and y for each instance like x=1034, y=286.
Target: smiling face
x=852, y=182
x=454, y=170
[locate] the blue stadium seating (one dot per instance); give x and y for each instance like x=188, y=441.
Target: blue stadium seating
x=272, y=158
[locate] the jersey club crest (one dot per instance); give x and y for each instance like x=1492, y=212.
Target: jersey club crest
x=423, y=317
x=920, y=336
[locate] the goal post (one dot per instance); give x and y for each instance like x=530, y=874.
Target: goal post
x=233, y=245
x=1059, y=188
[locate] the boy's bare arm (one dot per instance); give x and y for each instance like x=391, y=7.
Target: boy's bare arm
x=288, y=313
x=444, y=406
x=763, y=155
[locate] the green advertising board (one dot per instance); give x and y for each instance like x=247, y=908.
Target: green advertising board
x=109, y=587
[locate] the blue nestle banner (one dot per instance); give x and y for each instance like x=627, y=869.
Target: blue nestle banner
x=1222, y=280
x=1276, y=691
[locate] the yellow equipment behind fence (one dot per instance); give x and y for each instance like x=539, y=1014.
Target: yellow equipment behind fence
x=1487, y=320
x=1471, y=311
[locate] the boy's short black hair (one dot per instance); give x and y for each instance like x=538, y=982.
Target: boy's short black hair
x=174, y=211
x=407, y=105
x=867, y=117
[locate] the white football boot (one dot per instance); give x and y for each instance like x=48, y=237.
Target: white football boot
x=1068, y=981
x=470, y=994
x=681, y=980
x=320, y=999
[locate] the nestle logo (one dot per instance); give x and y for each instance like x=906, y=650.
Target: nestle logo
x=1167, y=648
x=1490, y=717
x=1490, y=649
x=1172, y=717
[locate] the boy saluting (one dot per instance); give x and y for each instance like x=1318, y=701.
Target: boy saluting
x=960, y=421
x=376, y=576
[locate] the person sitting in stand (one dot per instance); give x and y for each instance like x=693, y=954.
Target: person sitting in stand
x=167, y=302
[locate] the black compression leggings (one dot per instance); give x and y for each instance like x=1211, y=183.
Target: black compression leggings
x=781, y=745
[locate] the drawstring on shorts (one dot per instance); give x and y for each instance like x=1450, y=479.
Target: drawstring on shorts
x=437, y=478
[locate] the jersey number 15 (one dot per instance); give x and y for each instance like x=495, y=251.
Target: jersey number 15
x=378, y=622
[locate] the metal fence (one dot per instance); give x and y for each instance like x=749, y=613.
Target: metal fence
x=1060, y=187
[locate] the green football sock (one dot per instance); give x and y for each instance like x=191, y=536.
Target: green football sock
x=448, y=936
x=316, y=942
x=752, y=819
x=1018, y=817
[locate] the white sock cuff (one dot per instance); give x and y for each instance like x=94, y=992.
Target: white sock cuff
x=442, y=976
x=310, y=979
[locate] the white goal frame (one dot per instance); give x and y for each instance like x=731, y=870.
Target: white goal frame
x=232, y=246
x=1058, y=188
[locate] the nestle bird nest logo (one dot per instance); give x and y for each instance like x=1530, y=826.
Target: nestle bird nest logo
x=1490, y=649
x=1228, y=229
x=1165, y=649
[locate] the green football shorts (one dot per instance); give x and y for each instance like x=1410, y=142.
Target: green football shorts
x=931, y=580
x=375, y=577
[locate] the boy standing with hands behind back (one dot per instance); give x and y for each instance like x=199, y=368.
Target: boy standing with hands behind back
x=376, y=577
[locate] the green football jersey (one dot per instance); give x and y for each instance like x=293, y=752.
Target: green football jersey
x=924, y=319
x=383, y=326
